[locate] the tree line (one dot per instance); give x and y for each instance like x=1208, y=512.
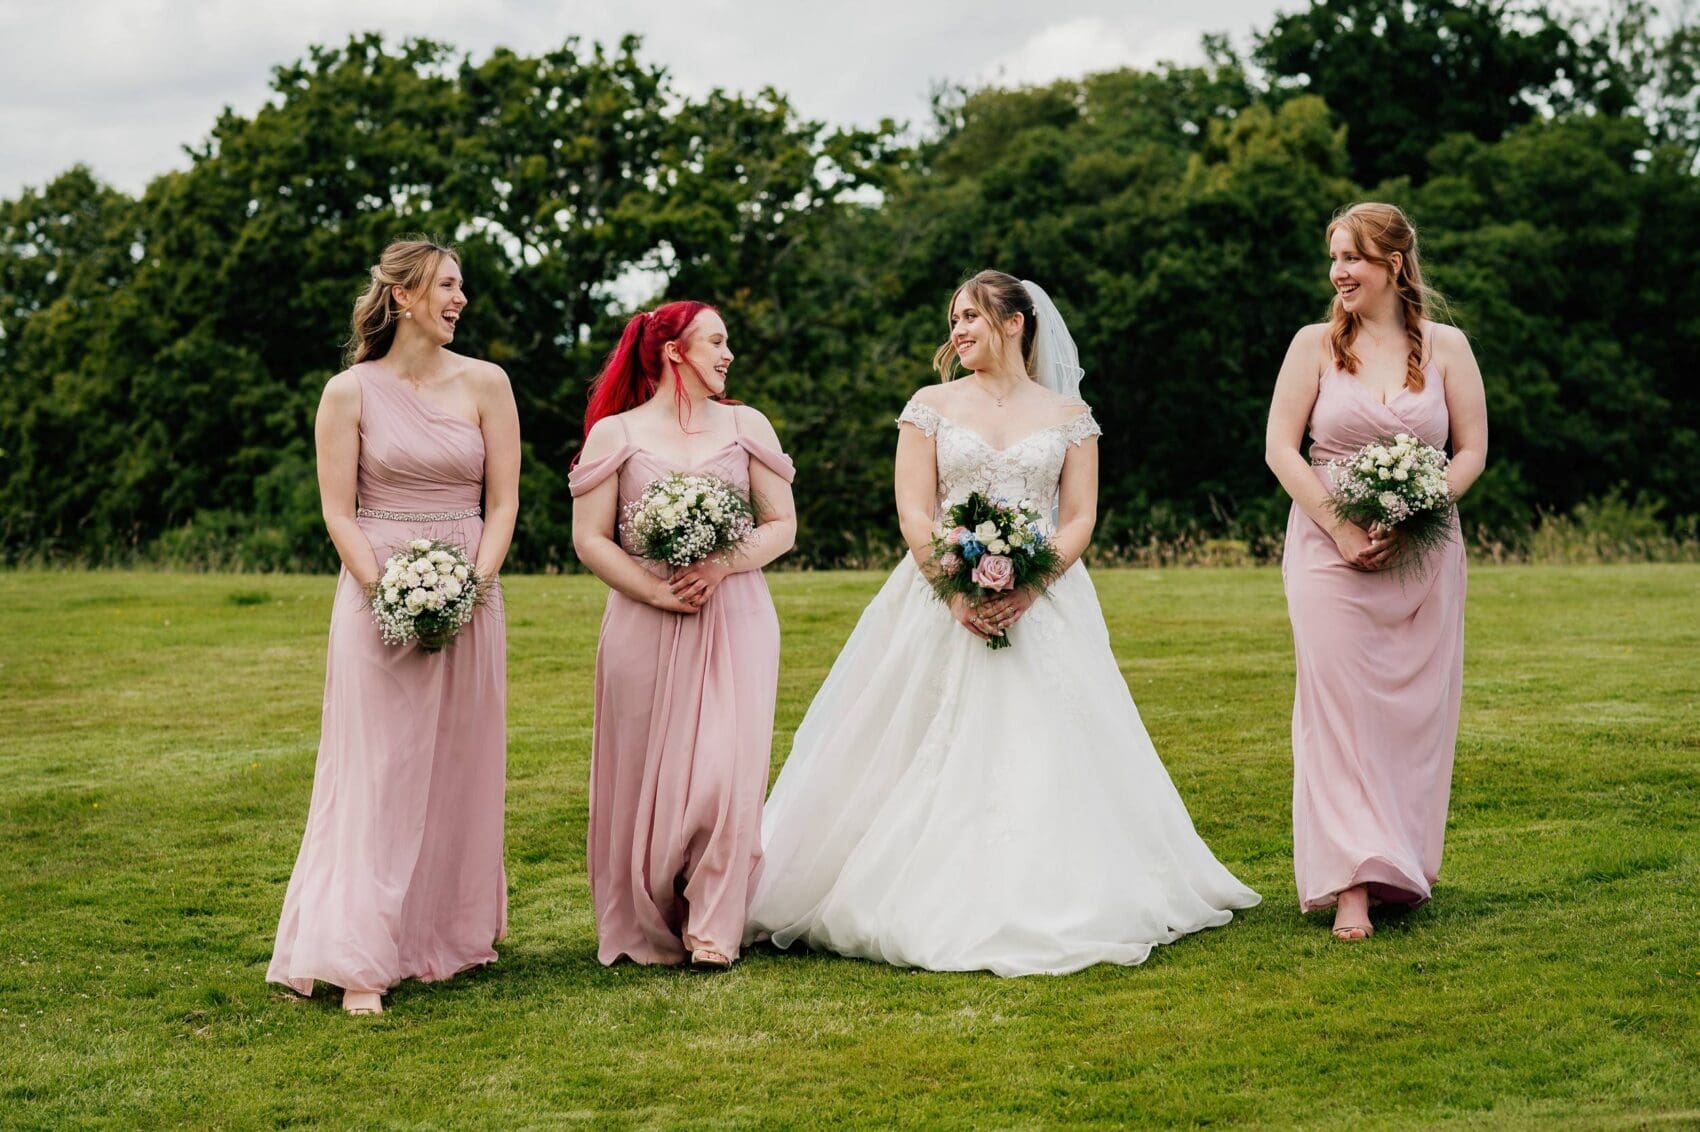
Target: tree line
x=161, y=356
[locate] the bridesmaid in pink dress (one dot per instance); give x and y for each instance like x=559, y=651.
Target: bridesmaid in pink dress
x=688, y=662
x=400, y=872
x=1380, y=656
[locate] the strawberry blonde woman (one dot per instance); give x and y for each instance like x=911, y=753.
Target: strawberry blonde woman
x=400, y=871
x=1380, y=652
x=687, y=665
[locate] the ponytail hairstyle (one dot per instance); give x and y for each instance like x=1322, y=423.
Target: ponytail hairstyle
x=998, y=296
x=1377, y=231
x=635, y=367
x=410, y=264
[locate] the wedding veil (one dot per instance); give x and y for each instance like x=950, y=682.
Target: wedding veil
x=1056, y=361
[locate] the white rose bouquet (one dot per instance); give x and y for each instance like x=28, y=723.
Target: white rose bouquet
x=986, y=546
x=1397, y=482
x=681, y=519
x=427, y=593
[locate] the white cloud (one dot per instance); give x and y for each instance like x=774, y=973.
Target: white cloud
x=1065, y=50
x=123, y=85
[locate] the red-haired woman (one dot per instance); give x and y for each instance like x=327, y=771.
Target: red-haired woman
x=688, y=661
x=1380, y=657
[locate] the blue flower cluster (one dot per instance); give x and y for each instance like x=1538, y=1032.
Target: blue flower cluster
x=970, y=548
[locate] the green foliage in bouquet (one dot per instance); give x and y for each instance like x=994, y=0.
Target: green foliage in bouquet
x=1399, y=483
x=985, y=547
x=684, y=518
x=426, y=593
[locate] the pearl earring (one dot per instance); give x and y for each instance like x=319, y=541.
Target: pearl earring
x=407, y=314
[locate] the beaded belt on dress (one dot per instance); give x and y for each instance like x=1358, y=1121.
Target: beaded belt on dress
x=418, y=516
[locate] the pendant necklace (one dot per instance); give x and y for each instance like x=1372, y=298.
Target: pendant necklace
x=418, y=382
x=995, y=397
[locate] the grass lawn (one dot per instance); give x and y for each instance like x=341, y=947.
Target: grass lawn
x=158, y=741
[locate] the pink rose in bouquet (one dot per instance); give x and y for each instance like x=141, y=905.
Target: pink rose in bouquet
x=1026, y=559
x=994, y=572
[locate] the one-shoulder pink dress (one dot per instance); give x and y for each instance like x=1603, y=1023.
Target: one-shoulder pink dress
x=1380, y=674
x=400, y=871
x=682, y=742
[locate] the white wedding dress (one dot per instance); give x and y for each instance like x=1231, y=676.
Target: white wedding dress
x=952, y=807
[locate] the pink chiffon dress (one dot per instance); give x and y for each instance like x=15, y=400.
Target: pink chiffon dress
x=400, y=871
x=1380, y=673
x=682, y=742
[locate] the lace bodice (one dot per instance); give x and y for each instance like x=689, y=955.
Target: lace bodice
x=1028, y=469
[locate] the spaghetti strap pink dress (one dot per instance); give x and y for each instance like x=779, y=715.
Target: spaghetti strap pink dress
x=682, y=741
x=400, y=871
x=1380, y=674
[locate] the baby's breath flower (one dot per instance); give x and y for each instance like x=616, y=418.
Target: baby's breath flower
x=1401, y=484
x=427, y=593
x=680, y=519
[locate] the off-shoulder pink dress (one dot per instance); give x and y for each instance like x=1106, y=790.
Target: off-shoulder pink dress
x=683, y=737
x=1380, y=675
x=400, y=871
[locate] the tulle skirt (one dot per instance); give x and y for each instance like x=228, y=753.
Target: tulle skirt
x=952, y=807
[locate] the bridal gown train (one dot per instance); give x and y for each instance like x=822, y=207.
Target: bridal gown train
x=951, y=807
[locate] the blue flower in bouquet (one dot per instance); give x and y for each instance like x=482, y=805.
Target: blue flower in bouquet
x=1003, y=547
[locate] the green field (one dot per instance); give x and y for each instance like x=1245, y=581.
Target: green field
x=159, y=733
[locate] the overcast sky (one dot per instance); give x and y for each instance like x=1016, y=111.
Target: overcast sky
x=123, y=85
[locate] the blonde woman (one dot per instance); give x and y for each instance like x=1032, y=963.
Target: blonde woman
x=400, y=871
x=956, y=808
x=1380, y=654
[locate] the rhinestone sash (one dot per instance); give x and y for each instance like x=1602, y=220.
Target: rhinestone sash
x=418, y=516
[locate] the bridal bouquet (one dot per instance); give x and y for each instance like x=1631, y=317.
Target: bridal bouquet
x=1397, y=482
x=427, y=592
x=986, y=546
x=681, y=519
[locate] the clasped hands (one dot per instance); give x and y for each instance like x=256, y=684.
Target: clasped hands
x=1371, y=550
x=689, y=589
x=990, y=616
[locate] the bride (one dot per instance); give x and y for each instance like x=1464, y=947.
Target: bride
x=955, y=808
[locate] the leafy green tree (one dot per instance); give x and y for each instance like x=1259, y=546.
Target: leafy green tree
x=1178, y=228
x=161, y=357
x=1650, y=56
x=66, y=253
x=1555, y=245
x=559, y=176
x=1239, y=268
x=1403, y=74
